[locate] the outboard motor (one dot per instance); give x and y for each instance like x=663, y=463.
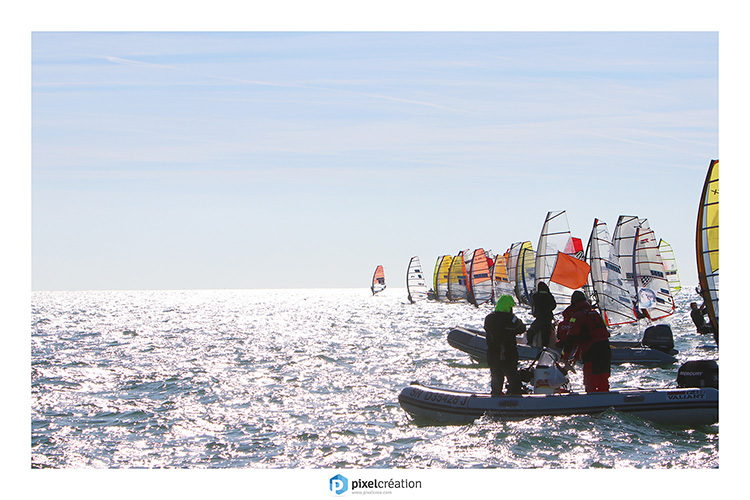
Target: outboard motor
x=547, y=377
x=659, y=337
x=700, y=373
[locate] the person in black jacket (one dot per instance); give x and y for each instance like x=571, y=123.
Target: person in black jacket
x=502, y=326
x=543, y=305
x=697, y=314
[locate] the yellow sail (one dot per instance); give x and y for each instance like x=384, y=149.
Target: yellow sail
x=458, y=282
x=707, y=244
x=440, y=276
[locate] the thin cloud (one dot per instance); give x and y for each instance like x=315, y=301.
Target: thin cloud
x=131, y=62
x=343, y=91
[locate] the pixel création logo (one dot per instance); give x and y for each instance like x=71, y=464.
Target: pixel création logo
x=339, y=484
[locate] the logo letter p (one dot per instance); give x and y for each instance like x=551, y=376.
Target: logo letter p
x=339, y=484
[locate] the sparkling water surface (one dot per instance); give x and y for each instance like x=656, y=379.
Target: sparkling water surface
x=274, y=379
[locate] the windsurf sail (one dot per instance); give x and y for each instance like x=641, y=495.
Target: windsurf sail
x=707, y=244
x=555, y=238
x=440, y=276
x=511, y=261
x=480, y=284
x=623, y=240
x=670, y=267
x=416, y=286
x=458, y=283
x=378, y=280
x=609, y=289
x=651, y=286
x=501, y=282
x=526, y=271
x=570, y=273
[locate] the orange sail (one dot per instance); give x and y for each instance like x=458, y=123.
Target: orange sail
x=378, y=280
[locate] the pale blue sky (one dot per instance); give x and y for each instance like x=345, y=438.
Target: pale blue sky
x=269, y=159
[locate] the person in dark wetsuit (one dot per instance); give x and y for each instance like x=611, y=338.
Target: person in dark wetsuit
x=502, y=326
x=697, y=314
x=543, y=305
x=584, y=331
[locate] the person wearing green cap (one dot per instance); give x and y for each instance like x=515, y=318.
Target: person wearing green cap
x=502, y=326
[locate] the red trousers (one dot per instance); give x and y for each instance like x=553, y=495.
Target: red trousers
x=594, y=382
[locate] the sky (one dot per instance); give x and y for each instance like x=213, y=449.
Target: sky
x=181, y=160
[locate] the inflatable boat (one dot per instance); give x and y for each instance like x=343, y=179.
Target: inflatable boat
x=474, y=343
x=690, y=407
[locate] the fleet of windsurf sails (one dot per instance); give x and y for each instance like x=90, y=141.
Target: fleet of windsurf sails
x=480, y=279
x=627, y=277
x=378, y=280
x=415, y=281
x=554, y=240
x=440, y=276
x=707, y=244
x=607, y=279
x=670, y=267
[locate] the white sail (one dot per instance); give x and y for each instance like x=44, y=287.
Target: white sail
x=416, y=285
x=555, y=237
x=513, y=253
x=609, y=289
x=623, y=240
x=652, y=288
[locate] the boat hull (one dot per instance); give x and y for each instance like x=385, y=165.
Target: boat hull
x=686, y=407
x=474, y=343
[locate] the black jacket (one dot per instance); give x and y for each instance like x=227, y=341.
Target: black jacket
x=502, y=328
x=543, y=305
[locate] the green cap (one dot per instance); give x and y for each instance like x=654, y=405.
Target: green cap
x=504, y=303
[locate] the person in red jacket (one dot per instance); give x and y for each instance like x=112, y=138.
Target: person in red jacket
x=584, y=331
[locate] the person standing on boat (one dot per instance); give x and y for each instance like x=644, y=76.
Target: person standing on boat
x=543, y=305
x=502, y=326
x=584, y=330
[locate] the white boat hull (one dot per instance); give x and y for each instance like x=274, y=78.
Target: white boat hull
x=681, y=407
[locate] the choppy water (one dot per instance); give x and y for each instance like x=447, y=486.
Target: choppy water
x=303, y=379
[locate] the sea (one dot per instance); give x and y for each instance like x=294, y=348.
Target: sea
x=308, y=379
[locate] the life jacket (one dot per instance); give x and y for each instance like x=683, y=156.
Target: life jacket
x=563, y=327
x=586, y=327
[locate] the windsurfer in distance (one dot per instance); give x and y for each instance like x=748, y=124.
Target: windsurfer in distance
x=543, y=305
x=502, y=326
x=584, y=331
